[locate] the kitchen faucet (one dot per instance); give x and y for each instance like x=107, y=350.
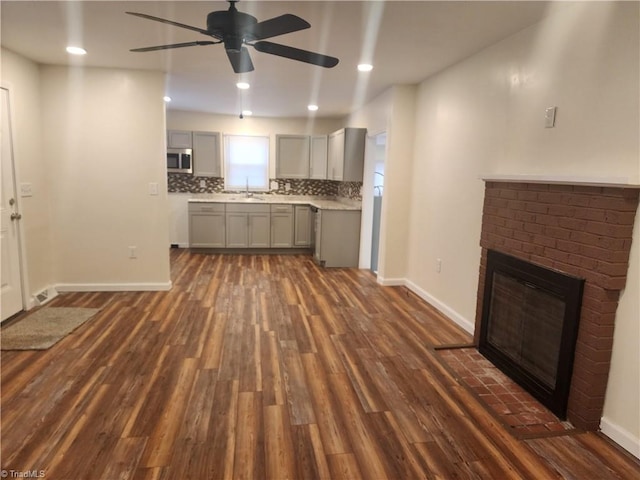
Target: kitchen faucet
x=247, y=193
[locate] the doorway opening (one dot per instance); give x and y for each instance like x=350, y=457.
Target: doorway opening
x=379, y=156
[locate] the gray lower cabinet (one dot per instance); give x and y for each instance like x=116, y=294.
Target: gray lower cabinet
x=303, y=227
x=281, y=226
x=334, y=237
x=248, y=226
x=207, y=225
x=337, y=238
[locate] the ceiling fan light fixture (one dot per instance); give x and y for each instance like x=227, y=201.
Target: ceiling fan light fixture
x=365, y=67
x=243, y=85
x=166, y=98
x=76, y=50
x=247, y=113
x=233, y=43
x=312, y=108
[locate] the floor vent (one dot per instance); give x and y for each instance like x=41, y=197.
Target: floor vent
x=42, y=297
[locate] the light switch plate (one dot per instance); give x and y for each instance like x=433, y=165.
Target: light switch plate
x=153, y=188
x=26, y=190
x=550, y=117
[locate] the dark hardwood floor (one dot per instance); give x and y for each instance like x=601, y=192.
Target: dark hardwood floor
x=266, y=367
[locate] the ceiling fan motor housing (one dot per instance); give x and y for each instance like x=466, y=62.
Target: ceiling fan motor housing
x=232, y=26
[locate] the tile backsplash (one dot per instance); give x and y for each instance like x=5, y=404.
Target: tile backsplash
x=182, y=183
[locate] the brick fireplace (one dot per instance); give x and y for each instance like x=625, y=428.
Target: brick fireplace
x=584, y=231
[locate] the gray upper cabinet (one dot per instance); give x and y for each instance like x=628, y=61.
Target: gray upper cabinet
x=179, y=139
x=206, y=154
x=292, y=156
x=346, y=155
x=318, y=157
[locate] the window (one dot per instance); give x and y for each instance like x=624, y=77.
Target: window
x=246, y=161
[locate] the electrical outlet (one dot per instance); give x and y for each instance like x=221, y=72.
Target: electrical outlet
x=133, y=252
x=438, y=265
x=287, y=186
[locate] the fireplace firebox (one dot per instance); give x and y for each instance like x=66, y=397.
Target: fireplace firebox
x=529, y=326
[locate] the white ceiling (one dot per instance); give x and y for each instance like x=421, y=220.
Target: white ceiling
x=406, y=41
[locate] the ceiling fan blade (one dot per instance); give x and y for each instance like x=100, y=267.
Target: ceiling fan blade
x=169, y=22
x=240, y=60
x=173, y=45
x=296, y=54
x=277, y=26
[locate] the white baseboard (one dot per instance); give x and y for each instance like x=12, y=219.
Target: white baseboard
x=391, y=282
x=620, y=436
x=442, y=307
x=113, y=287
x=467, y=325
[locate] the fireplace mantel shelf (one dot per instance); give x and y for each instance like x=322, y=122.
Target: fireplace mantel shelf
x=619, y=182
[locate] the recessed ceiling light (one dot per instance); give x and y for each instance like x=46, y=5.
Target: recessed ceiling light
x=76, y=51
x=247, y=113
x=166, y=99
x=242, y=85
x=312, y=108
x=365, y=67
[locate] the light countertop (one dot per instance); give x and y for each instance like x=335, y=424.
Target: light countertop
x=322, y=203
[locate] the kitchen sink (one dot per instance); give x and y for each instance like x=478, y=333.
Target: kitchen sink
x=247, y=199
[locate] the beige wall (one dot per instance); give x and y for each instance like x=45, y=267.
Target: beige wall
x=103, y=140
x=90, y=141
x=22, y=78
x=392, y=112
x=485, y=115
x=231, y=124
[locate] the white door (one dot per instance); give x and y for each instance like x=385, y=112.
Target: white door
x=11, y=277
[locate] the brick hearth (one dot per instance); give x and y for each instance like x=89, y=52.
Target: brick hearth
x=583, y=231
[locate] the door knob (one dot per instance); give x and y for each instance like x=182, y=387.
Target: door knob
x=16, y=216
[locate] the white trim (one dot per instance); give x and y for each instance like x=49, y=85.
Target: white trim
x=443, y=308
x=457, y=318
x=619, y=182
x=113, y=287
x=22, y=238
x=391, y=282
x=620, y=436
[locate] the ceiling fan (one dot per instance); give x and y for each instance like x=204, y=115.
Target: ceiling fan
x=236, y=29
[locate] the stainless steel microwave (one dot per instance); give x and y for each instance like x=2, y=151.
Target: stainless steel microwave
x=179, y=160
